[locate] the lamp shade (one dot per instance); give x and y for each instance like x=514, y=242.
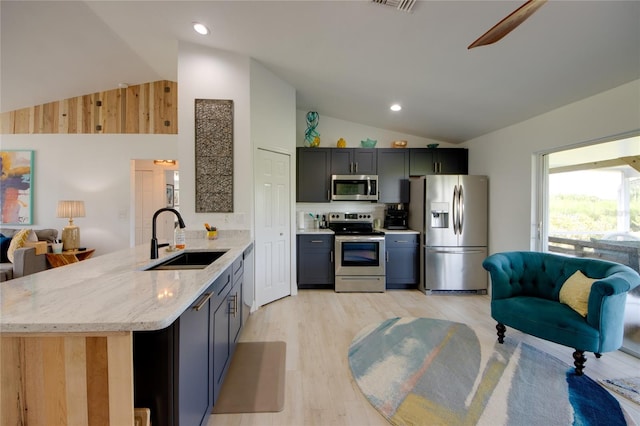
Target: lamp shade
x=70, y=209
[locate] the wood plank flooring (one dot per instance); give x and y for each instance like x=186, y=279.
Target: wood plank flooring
x=318, y=326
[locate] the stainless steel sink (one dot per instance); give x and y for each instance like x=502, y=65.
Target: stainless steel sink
x=189, y=260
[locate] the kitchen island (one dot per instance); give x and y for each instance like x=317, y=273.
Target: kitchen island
x=67, y=333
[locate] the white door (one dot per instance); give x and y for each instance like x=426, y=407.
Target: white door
x=150, y=195
x=144, y=205
x=272, y=216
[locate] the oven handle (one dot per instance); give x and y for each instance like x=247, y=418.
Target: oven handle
x=357, y=238
x=362, y=278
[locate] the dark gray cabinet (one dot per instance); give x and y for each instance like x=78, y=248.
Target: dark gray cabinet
x=179, y=370
x=172, y=368
x=393, y=175
x=402, y=260
x=220, y=324
x=313, y=175
x=353, y=161
x=315, y=261
x=227, y=322
x=426, y=161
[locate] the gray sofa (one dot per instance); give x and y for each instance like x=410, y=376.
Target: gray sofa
x=26, y=261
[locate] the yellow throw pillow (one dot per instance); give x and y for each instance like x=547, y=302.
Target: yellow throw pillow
x=17, y=242
x=575, y=292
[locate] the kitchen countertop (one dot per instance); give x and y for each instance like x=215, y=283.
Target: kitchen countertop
x=112, y=292
x=312, y=231
x=399, y=231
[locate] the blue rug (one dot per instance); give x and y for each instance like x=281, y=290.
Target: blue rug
x=422, y=371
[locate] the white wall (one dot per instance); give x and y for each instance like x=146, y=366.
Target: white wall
x=93, y=168
x=205, y=73
x=507, y=157
x=273, y=128
x=331, y=129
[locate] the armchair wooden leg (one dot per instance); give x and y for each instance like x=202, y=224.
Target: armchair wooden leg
x=579, y=360
x=501, y=329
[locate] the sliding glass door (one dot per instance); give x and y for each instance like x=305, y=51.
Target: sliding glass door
x=590, y=207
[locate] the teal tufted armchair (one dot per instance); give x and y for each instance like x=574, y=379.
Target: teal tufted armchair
x=525, y=288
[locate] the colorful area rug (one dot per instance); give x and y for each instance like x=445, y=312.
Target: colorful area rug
x=628, y=387
x=422, y=371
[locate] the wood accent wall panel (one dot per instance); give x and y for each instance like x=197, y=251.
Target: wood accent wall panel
x=67, y=380
x=144, y=108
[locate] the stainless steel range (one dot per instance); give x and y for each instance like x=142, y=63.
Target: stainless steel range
x=360, y=253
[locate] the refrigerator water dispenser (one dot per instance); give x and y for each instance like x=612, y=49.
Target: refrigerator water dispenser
x=439, y=215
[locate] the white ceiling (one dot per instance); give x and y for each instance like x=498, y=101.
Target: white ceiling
x=347, y=59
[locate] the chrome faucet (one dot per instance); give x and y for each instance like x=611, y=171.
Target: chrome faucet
x=154, y=240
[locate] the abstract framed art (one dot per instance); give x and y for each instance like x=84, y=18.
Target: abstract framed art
x=16, y=193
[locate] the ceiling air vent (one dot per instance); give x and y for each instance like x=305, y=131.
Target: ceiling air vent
x=404, y=5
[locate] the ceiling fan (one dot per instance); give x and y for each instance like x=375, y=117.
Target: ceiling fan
x=508, y=24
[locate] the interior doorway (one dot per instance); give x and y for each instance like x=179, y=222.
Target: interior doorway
x=156, y=184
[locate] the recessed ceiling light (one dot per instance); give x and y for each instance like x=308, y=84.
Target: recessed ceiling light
x=396, y=107
x=200, y=28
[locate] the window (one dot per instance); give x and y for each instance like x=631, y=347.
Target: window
x=592, y=209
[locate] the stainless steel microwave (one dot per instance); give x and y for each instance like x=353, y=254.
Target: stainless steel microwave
x=354, y=187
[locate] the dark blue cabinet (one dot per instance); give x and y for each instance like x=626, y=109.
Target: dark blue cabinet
x=195, y=396
x=172, y=368
x=227, y=322
x=179, y=370
x=393, y=175
x=446, y=161
x=353, y=161
x=402, y=260
x=313, y=174
x=220, y=326
x=315, y=261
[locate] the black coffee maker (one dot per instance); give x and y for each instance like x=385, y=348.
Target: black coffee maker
x=396, y=217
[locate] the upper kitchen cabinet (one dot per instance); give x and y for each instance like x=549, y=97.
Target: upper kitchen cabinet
x=313, y=175
x=445, y=161
x=353, y=161
x=393, y=175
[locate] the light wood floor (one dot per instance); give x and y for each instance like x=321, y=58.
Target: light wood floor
x=318, y=326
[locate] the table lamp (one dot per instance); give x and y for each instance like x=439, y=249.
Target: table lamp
x=70, y=233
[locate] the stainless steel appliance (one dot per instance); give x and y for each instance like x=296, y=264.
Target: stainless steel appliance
x=360, y=253
x=396, y=217
x=451, y=213
x=354, y=187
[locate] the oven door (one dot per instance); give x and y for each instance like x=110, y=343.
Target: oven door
x=360, y=255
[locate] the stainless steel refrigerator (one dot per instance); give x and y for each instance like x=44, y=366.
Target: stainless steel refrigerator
x=451, y=214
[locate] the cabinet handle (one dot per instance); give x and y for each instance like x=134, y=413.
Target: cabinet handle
x=205, y=299
x=316, y=241
x=328, y=194
x=435, y=167
x=356, y=167
x=331, y=253
x=401, y=241
x=387, y=256
x=233, y=309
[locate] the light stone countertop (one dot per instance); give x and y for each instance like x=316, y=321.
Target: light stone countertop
x=312, y=231
x=112, y=292
x=399, y=231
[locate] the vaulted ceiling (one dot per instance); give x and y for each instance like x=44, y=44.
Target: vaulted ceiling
x=347, y=59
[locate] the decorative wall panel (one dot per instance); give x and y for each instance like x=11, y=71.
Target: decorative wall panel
x=214, y=156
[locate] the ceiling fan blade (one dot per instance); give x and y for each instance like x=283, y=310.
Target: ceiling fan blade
x=508, y=24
